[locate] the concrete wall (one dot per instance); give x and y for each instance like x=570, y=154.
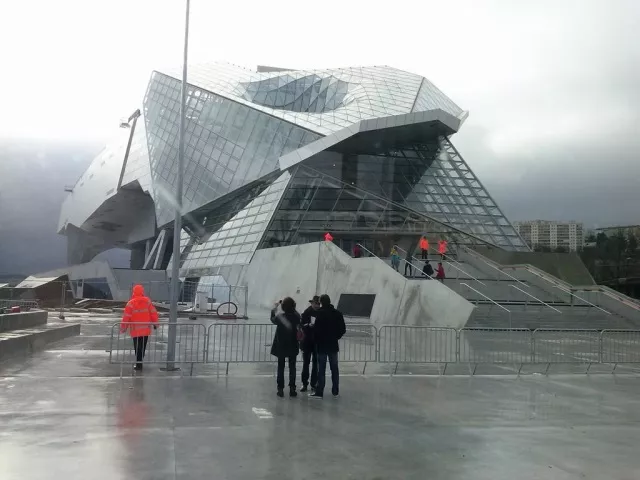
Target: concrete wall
x=301, y=271
x=18, y=321
x=565, y=266
x=275, y=273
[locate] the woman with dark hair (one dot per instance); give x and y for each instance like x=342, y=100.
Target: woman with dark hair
x=285, y=342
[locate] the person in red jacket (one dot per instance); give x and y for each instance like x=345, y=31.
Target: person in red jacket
x=440, y=272
x=442, y=248
x=138, y=316
x=424, y=246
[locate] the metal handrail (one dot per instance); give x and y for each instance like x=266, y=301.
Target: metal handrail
x=483, y=295
x=404, y=260
x=535, y=298
x=459, y=269
x=621, y=300
x=582, y=299
x=481, y=258
x=414, y=258
x=615, y=294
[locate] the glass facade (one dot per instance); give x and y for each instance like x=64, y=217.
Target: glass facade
x=227, y=144
x=228, y=236
x=393, y=196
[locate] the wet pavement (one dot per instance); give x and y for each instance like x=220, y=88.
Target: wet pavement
x=65, y=413
x=569, y=427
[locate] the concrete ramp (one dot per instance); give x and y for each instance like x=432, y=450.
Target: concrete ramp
x=301, y=271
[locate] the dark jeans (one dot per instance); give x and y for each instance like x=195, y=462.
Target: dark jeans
x=140, y=346
x=408, y=266
x=309, y=356
x=424, y=254
x=292, y=372
x=322, y=368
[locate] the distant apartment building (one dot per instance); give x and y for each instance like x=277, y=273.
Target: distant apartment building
x=550, y=234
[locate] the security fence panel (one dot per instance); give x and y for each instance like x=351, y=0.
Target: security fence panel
x=190, y=344
x=23, y=304
x=240, y=343
x=414, y=344
x=359, y=343
x=495, y=345
x=566, y=346
x=620, y=346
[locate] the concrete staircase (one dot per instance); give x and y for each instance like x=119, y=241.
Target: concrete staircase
x=525, y=300
x=23, y=333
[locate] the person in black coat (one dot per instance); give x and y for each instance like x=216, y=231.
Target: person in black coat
x=308, y=345
x=328, y=329
x=285, y=342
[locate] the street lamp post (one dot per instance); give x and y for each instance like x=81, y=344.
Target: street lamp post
x=177, y=225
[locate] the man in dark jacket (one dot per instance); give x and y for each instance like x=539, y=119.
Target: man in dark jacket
x=328, y=329
x=427, y=270
x=308, y=345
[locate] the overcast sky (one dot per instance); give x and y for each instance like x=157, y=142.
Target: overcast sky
x=552, y=87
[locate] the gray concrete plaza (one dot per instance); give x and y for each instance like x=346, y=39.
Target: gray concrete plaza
x=380, y=428
x=66, y=414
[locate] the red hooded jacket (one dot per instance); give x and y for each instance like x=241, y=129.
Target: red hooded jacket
x=138, y=314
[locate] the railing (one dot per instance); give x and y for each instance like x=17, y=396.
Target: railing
x=582, y=300
x=401, y=344
x=493, y=302
x=413, y=344
x=490, y=264
x=536, y=299
x=8, y=303
x=458, y=269
x=190, y=344
x=494, y=346
x=561, y=285
x=392, y=345
x=418, y=269
x=251, y=343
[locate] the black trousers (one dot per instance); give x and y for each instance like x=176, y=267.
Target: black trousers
x=424, y=254
x=292, y=372
x=407, y=266
x=309, y=355
x=140, y=346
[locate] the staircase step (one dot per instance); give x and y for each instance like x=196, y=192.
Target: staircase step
x=28, y=340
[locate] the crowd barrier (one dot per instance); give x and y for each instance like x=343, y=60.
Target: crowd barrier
x=23, y=304
x=227, y=343
x=190, y=345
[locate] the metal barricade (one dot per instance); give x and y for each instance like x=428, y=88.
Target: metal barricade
x=619, y=346
x=495, y=345
x=190, y=345
x=240, y=343
x=251, y=343
x=8, y=303
x=566, y=346
x=414, y=344
x=359, y=344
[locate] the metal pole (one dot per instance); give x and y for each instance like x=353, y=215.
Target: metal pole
x=62, y=301
x=177, y=227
